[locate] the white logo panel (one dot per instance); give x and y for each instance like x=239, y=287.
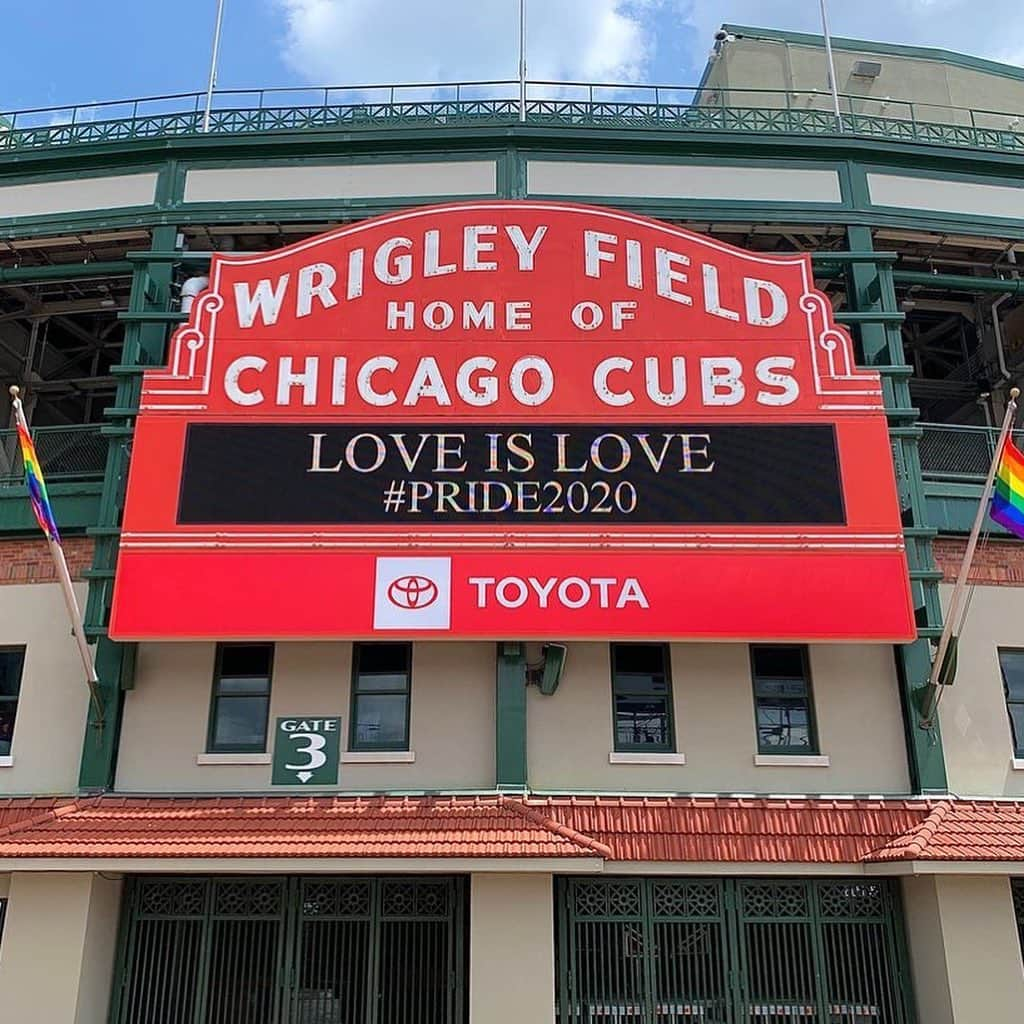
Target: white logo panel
x=413, y=593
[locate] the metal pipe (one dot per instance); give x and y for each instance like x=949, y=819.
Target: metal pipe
x=213, y=66
x=997, y=331
x=961, y=282
x=65, y=272
x=522, y=60
x=830, y=65
x=955, y=599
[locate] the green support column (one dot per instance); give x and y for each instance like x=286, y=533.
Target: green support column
x=144, y=344
x=871, y=290
x=510, y=718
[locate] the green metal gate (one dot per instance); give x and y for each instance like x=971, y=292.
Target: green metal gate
x=338, y=950
x=730, y=951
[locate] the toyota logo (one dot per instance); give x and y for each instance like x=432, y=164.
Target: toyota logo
x=412, y=592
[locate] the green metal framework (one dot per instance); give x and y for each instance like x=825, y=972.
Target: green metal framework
x=731, y=951
x=677, y=108
x=291, y=950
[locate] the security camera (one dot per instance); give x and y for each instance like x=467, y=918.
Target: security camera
x=721, y=36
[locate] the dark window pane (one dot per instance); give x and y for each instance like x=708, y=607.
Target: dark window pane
x=641, y=722
x=782, y=700
x=241, y=685
x=787, y=662
x=10, y=672
x=1016, y=725
x=391, y=659
x=1012, y=664
x=783, y=724
x=245, y=659
x=381, y=720
x=395, y=681
x=774, y=689
x=642, y=659
x=7, y=711
x=638, y=684
x=240, y=722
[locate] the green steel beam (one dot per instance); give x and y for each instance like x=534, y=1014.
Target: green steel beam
x=510, y=718
x=65, y=272
x=871, y=289
x=99, y=749
x=960, y=282
x=143, y=346
x=75, y=505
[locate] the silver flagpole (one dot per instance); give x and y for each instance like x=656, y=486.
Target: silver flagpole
x=213, y=65
x=830, y=65
x=956, y=598
x=60, y=564
x=522, y=60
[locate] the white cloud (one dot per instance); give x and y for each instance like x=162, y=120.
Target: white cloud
x=368, y=41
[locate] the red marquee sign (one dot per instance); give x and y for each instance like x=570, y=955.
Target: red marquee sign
x=510, y=420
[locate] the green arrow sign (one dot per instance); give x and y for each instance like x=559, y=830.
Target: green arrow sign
x=306, y=751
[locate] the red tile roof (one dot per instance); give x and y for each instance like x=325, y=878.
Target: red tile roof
x=113, y=826
x=739, y=830
x=15, y=809
x=616, y=829
x=962, y=830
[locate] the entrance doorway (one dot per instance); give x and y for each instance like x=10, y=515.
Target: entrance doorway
x=279, y=950
x=731, y=951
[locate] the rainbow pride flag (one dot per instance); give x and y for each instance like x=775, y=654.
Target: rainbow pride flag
x=1007, y=507
x=36, y=485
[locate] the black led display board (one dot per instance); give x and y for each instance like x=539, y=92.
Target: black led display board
x=643, y=474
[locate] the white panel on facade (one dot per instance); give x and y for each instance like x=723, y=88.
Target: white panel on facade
x=683, y=181
x=341, y=181
x=958, y=197
x=37, y=199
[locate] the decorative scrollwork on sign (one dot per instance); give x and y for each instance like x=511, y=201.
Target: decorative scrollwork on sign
x=836, y=376
x=191, y=356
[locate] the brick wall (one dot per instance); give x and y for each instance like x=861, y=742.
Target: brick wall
x=28, y=560
x=996, y=563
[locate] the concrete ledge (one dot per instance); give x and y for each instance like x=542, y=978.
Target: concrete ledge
x=616, y=757
x=208, y=759
x=379, y=757
x=792, y=760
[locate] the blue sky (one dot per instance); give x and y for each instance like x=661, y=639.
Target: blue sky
x=66, y=51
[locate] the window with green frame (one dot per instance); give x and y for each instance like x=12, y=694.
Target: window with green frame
x=1011, y=662
x=783, y=704
x=240, y=702
x=12, y=661
x=381, y=692
x=642, y=698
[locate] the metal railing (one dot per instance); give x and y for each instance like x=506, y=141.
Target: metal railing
x=77, y=452
x=956, y=452
x=578, y=104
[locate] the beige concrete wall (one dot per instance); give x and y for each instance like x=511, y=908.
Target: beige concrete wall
x=57, y=955
x=976, y=735
x=333, y=181
x=451, y=728
x=602, y=179
x=964, y=949
x=50, y=723
x=935, y=87
x=511, y=950
x=36, y=199
x=855, y=694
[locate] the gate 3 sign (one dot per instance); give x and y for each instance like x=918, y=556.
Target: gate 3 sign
x=506, y=420
x=306, y=751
